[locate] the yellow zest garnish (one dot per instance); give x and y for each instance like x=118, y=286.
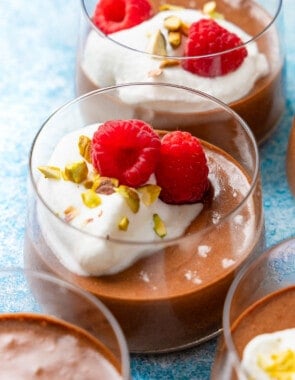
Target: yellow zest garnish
x=280, y=366
x=123, y=224
x=91, y=199
x=51, y=172
x=159, y=226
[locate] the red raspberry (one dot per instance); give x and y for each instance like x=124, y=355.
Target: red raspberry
x=207, y=37
x=127, y=150
x=113, y=15
x=182, y=171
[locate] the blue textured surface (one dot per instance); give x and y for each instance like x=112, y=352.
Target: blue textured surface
x=37, y=62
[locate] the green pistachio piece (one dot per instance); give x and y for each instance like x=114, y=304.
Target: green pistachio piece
x=159, y=226
x=84, y=145
x=91, y=199
x=172, y=23
x=157, y=44
x=150, y=193
x=123, y=224
x=131, y=197
x=105, y=185
x=209, y=9
x=51, y=172
x=174, y=39
x=76, y=172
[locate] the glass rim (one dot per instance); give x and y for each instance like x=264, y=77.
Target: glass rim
x=160, y=243
x=230, y=294
x=88, y=18
x=124, y=352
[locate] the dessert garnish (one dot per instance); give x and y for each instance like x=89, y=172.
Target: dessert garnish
x=159, y=226
x=203, y=38
x=131, y=197
x=76, y=171
x=129, y=158
x=52, y=172
x=206, y=37
x=182, y=171
x=111, y=16
x=209, y=9
x=271, y=356
x=157, y=44
x=127, y=150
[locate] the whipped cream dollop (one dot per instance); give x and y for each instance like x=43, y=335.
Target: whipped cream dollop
x=107, y=63
x=271, y=356
x=87, y=241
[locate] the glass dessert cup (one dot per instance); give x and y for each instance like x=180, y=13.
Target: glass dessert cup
x=106, y=60
x=260, y=300
x=47, y=325
x=172, y=297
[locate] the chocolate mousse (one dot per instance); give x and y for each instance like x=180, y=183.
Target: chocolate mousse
x=272, y=313
x=290, y=159
x=174, y=298
x=262, y=107
x=39, y=346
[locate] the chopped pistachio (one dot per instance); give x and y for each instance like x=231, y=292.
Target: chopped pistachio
x=169, y=7
x=174, y=39
x=184, y=28
x=159, y=226
x=131, y=197
x=209, y=7
x=51, y=172
x=172, y=23
x=105, y=185
x=88, y=184
x=84, y=145
x=169, y=63
x=91, y=199
x=157, y=44
x=155, y=73
x=150, y=193
x=70, y=213
x=77, y=171
x=123, y=224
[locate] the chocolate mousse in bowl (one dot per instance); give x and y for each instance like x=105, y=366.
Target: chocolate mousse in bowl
x=50, y=329
x=229, y=49
x=152, y=217
x=259, y=321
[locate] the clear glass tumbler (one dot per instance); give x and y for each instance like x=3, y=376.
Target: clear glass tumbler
x=254, y=89
x=171, y=293
x=48, y=325
x=261, y=300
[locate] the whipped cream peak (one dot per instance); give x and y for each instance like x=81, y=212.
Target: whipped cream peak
x=271, y=356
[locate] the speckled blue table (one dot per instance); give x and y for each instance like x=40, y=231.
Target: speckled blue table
x=37, y=62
